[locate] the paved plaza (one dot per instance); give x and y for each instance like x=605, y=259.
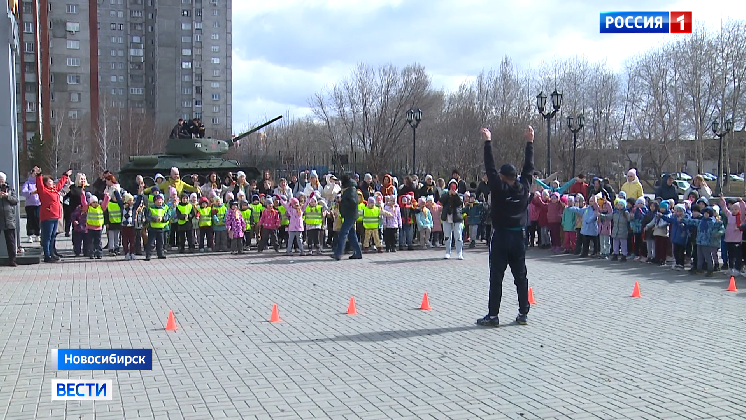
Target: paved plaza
x=589, y=351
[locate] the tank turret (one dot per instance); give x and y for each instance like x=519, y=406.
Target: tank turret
x=198, y=156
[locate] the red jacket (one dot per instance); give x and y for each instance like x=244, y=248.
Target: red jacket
x=51, y=207
x=543, y=209
x=579, y=188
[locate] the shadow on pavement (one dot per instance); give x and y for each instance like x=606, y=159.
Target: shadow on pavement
x=376, y=336
x=648, y=271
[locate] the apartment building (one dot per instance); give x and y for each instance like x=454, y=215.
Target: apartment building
x=114, y=60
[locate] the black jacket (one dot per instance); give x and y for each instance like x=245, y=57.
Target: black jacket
x=483, y=189
x=509, y=202
x=667, y=192
x=427, y=190
x=453, y=205
x=348, y=203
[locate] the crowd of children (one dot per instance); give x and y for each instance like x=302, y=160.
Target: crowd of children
x=150, y=221
x=692, y=232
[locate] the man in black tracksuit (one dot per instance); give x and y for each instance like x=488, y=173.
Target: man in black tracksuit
x=509, y=211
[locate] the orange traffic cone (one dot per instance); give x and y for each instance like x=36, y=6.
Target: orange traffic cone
x=636, y=291
x=275, y=317
x=531, y=296
x=171, y=323
x=732, y=285
x=351, y=309
x=425, y=303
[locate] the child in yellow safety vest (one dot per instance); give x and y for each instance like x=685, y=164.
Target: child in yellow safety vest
x=95, y=222
x=314, y=222
x=246, y=214
x=185, y=212
x=371, y=221
x=205, y=225
x=218, y=226
x=256, y=213
x=158, y=220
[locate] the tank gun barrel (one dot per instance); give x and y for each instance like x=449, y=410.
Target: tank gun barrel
x=255, y=129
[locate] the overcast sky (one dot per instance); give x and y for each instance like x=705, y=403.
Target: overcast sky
x=284, y=51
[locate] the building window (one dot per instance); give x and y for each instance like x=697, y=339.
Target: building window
x=137, y=52
x=197, y=102
x=216, y=120
x=198, y=115
x=198, y=12
x=197, y=37
x=120, y=53
x=120, y=39
x=30, y=106
x=28, y=47
x=216, y=25
x=121, y=26
x=113, y=26
x=72, y=8
x=75, y=97
x=136, y=39
x=185, y=12
x=215, y=48
x=121, y=91
x=215, y=108
x=113, y=13
x=137, y=91
x=113, y=91
x=186, y=26
x=215, y=84
x=113, y=40
x=121, y=78
x=186, y=51
x=73, y=79
x=73, y=114
x=113, y=53
x=215, y=36
x=186, y=104
x=215, y=60
x=73, y=61
x=198, y=78
x=186, y=64
x=215, y=12
x=72, y=27
x=216, y=72
x=28, y=27
x=113, y=78
x=186, y=91
x=198, y=90
x=215, y=96
x=186, y=1
x=186, y=38
x=197, y=25
x=136, y=13
x=186, y=78
x=28, y=8
x=73, y=45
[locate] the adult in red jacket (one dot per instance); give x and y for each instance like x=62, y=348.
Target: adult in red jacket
x=50, y=210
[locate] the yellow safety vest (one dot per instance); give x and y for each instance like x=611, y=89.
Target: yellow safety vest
x=158, y=212
x=360, y=208
x=220, y=216
x=95, y=216
x=314, y=217
x=115, y=212
x=247, y=217
x=370, y=218
x=205, y=217
x=284, y=221
x=256, y=212
x=184, y=209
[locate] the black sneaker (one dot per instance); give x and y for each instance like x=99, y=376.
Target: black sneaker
x=489, y=321
x=161, y=257
x=623, y=259
x=147, y=258
x=355, y=257
x=521, y=319
x=614, y=257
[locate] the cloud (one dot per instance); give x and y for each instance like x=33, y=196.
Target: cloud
x=285, y=50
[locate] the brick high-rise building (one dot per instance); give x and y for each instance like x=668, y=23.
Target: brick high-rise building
x=90, y=71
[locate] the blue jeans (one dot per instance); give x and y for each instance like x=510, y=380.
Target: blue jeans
x=348, y=228
x=405, y=236
x=48, y=230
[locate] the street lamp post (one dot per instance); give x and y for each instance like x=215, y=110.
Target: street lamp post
x=728, y=125
x=414, y=116
x=575, y=128
x=541, y=102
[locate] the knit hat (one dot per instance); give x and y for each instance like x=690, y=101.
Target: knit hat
x=368, y=177
x=664, y=205
x=422, y=200
x=204, y=200
x=254, y=197
x=579, y=198
x=159, y=176
x=570, y=199
x=93, y=199
x=467, y=194
x=555, y=195
x=452, y=181
x=158, y=196
x=640, y=200
x=268, y=201
x=709, y=210
x=154, y=189
x=294, y=201
x=430, y=199
x=563, y=199
x=632, y=172
x=622, y=194
x=619, y=201
x=240, y=174
x=679, y=207
x=193, y=196
x=184, y=194
x=234, y=203
x=371, y=200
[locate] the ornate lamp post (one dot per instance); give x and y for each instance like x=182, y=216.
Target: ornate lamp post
x=574, y=129
x=414, y=116
x=728, y=126
x=541, y=102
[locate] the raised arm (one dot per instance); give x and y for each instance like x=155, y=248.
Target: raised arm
x=527, y=174
x=489, y=159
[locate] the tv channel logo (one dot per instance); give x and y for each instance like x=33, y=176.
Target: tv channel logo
x=646, y=22
x=81, y=390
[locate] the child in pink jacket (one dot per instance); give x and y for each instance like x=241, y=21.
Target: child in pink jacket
x=294, y=212
x=236, y=226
